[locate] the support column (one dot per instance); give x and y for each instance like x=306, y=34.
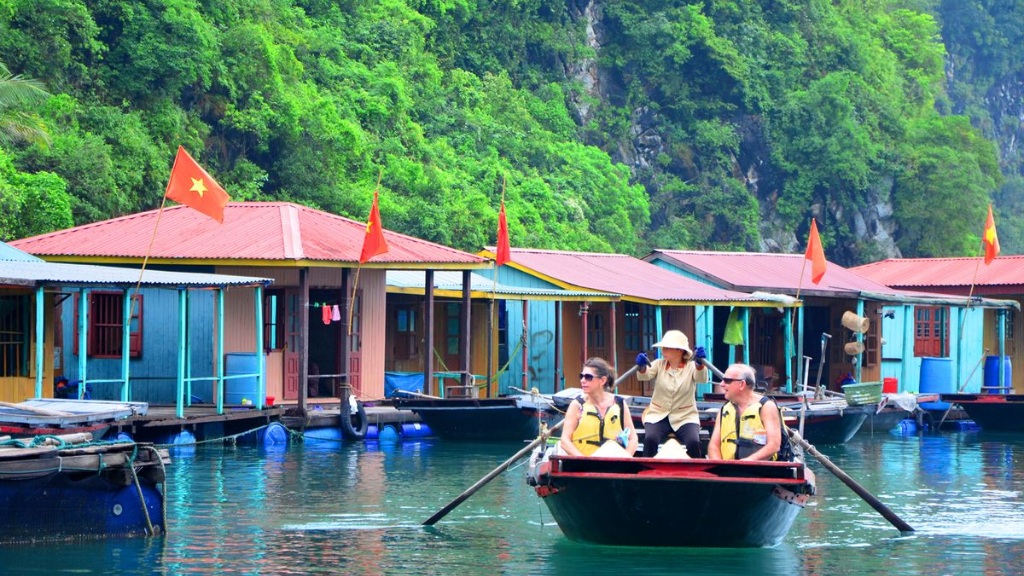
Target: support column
x=428, y=326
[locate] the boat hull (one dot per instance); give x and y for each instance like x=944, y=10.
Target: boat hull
x=992, y=412
x=505, y=418
x=677, y=503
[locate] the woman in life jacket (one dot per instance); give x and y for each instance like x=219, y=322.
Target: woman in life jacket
x=598, y=415
x=748, y=426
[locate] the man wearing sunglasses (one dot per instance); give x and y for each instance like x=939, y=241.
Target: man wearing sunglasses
x=748, y=426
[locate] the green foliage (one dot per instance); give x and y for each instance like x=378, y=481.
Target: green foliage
x=711, y=114
x=31, y=204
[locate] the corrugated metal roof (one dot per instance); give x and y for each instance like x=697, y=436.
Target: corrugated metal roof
x=781, y=273
x=8, y=252
x=751, y=271
x=252, y=231
x=482, y=287
x=1004, y=271
x=631, y=277
x=23, y=273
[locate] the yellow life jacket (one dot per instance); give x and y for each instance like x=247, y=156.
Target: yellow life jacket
x=593, y=431
x=748, y=434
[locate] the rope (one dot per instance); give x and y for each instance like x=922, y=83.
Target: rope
x=163, y=487
x=142, y=498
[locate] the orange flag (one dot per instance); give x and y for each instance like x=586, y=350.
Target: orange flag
x=989, y=239
x=504, y=249
x=815, y=254
x=192, y=186
x=374, y=242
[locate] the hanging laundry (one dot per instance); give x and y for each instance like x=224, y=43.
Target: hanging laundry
x=336, y=313
x=326, y=314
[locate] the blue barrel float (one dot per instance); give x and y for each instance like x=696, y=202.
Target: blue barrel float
x=990, y=383
x=936, y=378
x=246, y=388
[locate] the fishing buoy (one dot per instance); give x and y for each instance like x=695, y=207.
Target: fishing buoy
x=123, y=437
x=905, y=426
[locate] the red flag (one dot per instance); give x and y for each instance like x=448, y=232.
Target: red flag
x=989, y=239
x=374, y=242
x=504, y=250
x=815, y=254
x=192, y=186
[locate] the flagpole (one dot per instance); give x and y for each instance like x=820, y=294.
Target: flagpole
x=800, y=284
x=352, y=301
x=145, y=258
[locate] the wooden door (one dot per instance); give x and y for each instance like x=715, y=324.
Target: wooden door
x=931, y=332
x=291, y=348
x=355, y=345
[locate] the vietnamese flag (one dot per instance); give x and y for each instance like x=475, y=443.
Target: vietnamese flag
x=374, y=242
x=192, y=186
x=815, y=254
x=989, y=239
x=504, y=249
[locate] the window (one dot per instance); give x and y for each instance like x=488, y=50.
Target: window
x=273, y=319
x=14, y=335
x=106, y=311
x=405, y=335
x=595, y=330
x=639, y=329
x=931, y=331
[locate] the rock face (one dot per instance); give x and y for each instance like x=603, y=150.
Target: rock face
x=874, y=225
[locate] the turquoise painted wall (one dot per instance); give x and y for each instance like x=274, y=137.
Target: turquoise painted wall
x=153, y=376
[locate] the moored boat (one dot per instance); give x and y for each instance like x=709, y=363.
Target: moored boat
x=670, y=502
x=57, y=416
x=515, y=417
x=992, y=412
x=56, y=488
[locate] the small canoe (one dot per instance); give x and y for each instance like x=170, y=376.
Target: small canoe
x=670, y=502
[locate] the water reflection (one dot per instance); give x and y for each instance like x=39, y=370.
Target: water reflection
x=356, y=508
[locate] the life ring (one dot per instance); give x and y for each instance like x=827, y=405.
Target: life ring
x=353, y=426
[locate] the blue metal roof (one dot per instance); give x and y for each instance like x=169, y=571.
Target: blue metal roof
x=38, y=272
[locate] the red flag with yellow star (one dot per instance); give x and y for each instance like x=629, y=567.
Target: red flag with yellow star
x=374, y=242
x=192, y=186
x=989, y=239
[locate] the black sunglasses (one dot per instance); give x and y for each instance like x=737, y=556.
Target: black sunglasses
x=731, y=380
x=588, y=377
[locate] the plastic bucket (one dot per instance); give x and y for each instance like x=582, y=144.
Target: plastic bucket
x=936, y=378
x=246, y=388
x=991, y=379
x=890, y=386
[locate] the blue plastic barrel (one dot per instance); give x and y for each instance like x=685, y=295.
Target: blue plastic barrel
x=275, y=434
x=416, y=430
x=123, y=437
x=936, y=378
x=991, y=379
x=388, y=434
x=247, y=388
x=372, y=432
x=326, y=434
x=905, y=426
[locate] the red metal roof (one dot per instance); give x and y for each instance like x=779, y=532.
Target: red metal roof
x=620, y=274
x=1005, y=275
x=751, y=271
x=252, y=231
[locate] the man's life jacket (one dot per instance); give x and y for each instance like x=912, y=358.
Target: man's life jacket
x=748, y=435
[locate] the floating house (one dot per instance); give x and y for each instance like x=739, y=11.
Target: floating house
x=40, y=310
x=874, y=332
x=321, y=325
x=967, y=281
x=650, y=301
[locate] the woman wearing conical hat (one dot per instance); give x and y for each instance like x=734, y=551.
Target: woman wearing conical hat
x=673, y=408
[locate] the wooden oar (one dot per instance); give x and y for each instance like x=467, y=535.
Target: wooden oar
x=838, y=472
x=505, y=465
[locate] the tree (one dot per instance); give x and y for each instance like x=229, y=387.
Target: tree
x=17, y=123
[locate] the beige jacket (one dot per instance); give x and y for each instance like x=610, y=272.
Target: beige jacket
x=675, y=392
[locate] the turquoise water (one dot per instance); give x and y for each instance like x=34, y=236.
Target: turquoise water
x=354, y=508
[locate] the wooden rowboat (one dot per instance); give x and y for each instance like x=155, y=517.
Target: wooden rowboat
x=514, y=417
x=668, y=502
